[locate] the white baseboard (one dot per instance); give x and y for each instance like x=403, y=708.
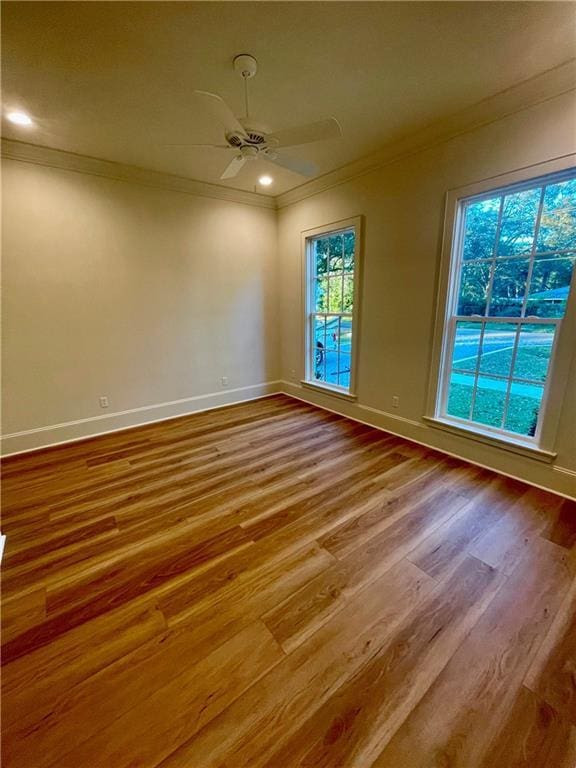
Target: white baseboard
x=71, y=431
x=556, y=479
x=565, y=471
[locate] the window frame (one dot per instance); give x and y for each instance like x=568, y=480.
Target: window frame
x=541, y=445
x=308, y=275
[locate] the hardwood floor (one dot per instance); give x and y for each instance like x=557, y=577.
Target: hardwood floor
x=271, y=585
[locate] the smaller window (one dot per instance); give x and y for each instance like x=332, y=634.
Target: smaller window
x=331, y=298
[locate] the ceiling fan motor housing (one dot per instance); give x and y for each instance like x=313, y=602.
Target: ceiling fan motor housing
x=251, y=138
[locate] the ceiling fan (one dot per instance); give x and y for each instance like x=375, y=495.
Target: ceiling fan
x=250, y=141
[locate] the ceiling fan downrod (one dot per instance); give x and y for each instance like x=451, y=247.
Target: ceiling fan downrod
x=246, y=66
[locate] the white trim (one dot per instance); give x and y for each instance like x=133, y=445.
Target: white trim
x=543, y=87
x=36, y=439
x=350, y=411
x=388, y=415
x=93, y=166
x=506, y=443
x=565, y=471
x=266, y=390
x=522, y=176
x=446, y=300
x=354, y=223
x=287, y=385
x=328, y=390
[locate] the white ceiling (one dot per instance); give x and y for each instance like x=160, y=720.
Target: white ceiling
x=114, y=80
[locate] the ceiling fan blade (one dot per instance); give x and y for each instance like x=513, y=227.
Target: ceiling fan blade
x=221, y=111
x=295, y=164
x=305, y=134
x=233, y=167
x=206, y=146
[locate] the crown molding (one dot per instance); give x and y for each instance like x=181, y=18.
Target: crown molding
x=69, y=161
x=543, y=87
x=540, y=88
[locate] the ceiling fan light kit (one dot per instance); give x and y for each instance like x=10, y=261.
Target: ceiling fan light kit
x=250, y=141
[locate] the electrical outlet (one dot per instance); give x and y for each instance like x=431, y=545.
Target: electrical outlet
x=395, y=401
x=224, y=381
x=103, y=402
x=293, y=374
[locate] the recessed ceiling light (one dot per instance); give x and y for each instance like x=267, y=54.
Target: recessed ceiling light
x=19, y=118
x=265, y=181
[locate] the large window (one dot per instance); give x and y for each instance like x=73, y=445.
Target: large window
x=331, y=297
x=512, y=262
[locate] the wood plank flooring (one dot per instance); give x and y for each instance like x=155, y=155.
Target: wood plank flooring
x=269, y=586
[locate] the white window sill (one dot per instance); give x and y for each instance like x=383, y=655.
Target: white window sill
x=326, y=389
x=508, y=444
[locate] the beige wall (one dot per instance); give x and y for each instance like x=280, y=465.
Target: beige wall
x=144, y=295
x=149, y=296
x=403, y=208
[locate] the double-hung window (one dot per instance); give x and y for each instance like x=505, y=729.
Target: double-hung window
x=512, y=261
x=331, y=291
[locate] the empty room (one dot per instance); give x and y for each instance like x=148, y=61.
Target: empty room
x=288, y=385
